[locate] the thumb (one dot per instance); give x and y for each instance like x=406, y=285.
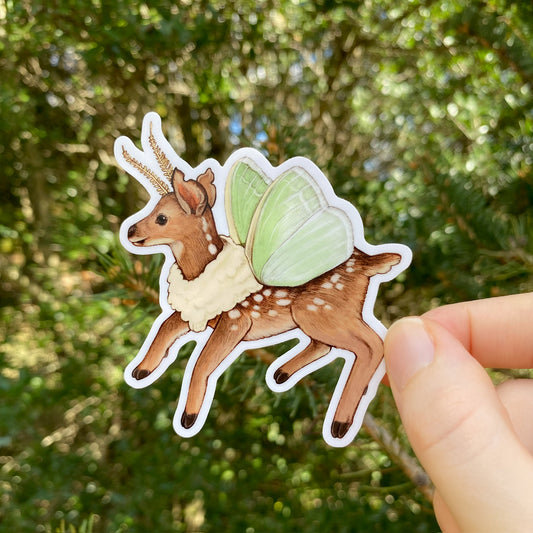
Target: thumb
x=458, y=428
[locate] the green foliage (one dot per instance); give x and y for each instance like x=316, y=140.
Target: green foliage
x=419, y=112
x=77, y=441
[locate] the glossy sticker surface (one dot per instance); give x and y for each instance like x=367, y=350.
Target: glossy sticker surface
x=256, y=255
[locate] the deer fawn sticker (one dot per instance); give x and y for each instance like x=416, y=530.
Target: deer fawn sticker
x=256, y=255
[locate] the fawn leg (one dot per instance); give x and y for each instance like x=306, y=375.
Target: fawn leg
x=314, y=351
x=171, y=329
x=227, y=335
x=353, y=334
x=368, y=348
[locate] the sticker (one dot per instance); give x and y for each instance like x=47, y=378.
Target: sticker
x=256, y=255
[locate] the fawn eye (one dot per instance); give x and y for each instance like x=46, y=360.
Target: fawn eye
x=161, y=220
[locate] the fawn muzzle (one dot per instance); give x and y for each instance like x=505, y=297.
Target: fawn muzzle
x=135, y=240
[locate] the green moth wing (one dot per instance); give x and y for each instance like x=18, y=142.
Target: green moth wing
x=294, y=234
x=245, y=186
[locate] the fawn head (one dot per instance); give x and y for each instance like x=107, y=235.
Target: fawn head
x=180, y=215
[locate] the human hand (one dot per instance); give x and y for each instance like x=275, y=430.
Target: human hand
x=474, y=440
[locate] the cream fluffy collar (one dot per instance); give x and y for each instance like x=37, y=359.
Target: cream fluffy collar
x=225, y=281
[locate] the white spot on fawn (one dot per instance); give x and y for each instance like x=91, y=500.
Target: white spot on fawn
x=234, y=313
x=205, y=225
x=267, y=292
x=212, y=249
x=280, y=294
x=246, y=303
x=256, y=307
x=255, y=314
x=208, y=237
x=351, y=263
x=272, y=313
x=327, y=285
x=349, y=269
x=233, y=328
x=312, y=307
x=258, y=297
x=283, y=302
x=335, y=278
x=339, y=286
x=328, y=307
x=178, y=249
x=319, y=301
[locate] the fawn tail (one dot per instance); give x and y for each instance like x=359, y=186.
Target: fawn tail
x=377, y=264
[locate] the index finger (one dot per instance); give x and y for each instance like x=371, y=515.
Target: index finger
x=498, y=332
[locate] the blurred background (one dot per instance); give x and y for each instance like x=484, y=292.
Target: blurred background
x=418, y=111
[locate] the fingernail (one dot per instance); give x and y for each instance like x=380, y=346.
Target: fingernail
x=408, y=349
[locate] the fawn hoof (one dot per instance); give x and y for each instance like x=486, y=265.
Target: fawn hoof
x=140, y=373
x=280, y=376
x=187, y=421
x=339, y=429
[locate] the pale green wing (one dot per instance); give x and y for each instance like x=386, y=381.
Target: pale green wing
x=245, y=187
x=295, y=235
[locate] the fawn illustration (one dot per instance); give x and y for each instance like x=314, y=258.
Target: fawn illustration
x=228, y=293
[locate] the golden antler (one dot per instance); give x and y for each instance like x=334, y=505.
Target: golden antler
x=161, y=187
x=160, y=156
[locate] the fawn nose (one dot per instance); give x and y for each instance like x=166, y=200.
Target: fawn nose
x=131, y=231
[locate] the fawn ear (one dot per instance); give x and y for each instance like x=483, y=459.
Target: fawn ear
x=206, y=181
x=190, y=195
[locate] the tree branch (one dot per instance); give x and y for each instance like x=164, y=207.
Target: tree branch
x=399, y=455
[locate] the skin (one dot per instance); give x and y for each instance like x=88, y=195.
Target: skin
x=474, y=439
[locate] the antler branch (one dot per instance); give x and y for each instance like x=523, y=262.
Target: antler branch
x=161, y=187
x=164, y=164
